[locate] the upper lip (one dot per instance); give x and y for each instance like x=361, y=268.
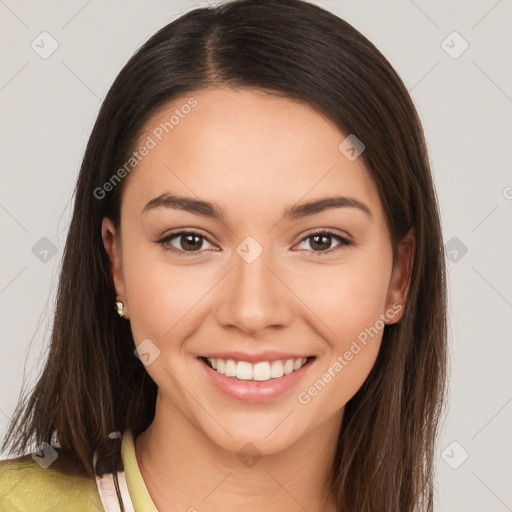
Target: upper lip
x=270, y=355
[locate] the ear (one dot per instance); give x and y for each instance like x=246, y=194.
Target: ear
x=400, y=278
x=112, y=244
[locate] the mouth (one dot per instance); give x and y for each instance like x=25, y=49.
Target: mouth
x=258, y=382
x=261, y=371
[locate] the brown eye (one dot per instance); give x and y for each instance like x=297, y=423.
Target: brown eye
x=190, y=242
x=320, y=242
x=183, y=242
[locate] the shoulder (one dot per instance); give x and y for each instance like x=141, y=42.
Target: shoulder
x=27, y=486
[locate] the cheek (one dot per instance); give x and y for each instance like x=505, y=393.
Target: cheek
x=161, y=296
x=348, y=301
x=347, y=297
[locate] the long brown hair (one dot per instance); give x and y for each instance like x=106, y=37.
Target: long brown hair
x=92, y=384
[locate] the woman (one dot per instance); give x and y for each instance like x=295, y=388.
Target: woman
x=251, y=310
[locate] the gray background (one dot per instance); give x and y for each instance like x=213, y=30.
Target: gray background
x=48, y=106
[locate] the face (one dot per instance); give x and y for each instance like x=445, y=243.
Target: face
x=254, y=278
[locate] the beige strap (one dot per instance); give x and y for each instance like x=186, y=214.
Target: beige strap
x=107, y=491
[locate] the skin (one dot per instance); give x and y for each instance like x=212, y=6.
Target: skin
x=254, y=155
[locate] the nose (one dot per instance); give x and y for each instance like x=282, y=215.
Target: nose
x=255, y=297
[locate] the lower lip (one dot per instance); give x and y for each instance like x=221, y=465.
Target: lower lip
x=252, y=390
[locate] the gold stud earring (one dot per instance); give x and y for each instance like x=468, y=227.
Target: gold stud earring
x=120, y=308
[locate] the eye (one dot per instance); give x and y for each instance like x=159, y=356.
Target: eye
x=189, y=242
x=321, y=240
x=184, y=242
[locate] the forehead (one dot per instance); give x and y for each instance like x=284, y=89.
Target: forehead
x=244, y=148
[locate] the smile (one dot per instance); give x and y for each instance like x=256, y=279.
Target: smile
x=261, y=371
x=255, y=382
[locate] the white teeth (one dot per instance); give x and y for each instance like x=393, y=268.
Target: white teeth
x=288, y=366
x=230, y=368
x=243, y=370
x=261, y=371
x=264, y=370
x=276, y=369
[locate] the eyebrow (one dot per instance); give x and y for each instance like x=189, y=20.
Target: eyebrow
x=208, y=209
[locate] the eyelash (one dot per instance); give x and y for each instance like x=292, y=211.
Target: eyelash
x=344, y=242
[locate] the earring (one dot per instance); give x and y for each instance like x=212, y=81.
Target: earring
x=55, y=440
x=120, y=308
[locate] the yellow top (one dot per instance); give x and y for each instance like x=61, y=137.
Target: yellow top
x=45, y=483
x=139, y=493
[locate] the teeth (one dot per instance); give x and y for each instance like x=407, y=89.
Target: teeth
x=261, y=371
x=276, y=369
x=264, y=370
x=288, y=366
x=243, y=371
x=230, y=368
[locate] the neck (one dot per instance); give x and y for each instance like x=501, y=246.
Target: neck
x=185, y=471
